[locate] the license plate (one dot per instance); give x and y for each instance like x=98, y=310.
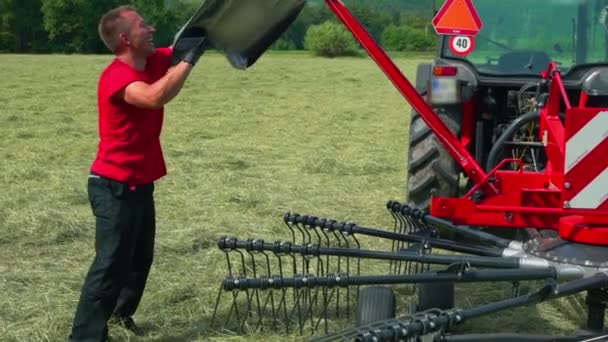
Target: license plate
x=444, y=90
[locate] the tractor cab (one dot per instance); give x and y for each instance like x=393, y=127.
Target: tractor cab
x=522, y=37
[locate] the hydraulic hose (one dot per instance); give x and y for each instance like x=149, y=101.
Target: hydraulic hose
x=508, y=134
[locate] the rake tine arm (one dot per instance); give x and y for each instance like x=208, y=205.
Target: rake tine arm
x=433, y=242
x=436, y=320
x=437, y=222
x=551, y=291
x=286, y=247
x=232, y=283
x=351, y=229
x=508, y=337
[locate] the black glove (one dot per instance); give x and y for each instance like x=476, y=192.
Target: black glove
x=197, y=50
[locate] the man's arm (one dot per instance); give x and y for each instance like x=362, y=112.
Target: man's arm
x=159, y=93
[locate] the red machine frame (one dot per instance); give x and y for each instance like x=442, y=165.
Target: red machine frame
x=512, y=199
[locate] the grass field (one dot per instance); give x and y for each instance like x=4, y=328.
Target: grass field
x=319, y=136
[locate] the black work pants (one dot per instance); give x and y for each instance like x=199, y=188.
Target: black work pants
x=124, y=246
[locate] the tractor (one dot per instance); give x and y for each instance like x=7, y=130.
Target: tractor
x=508, y=180
x=486, y=97
x=490, y=98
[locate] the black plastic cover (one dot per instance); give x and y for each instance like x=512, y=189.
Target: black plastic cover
x=242, y=29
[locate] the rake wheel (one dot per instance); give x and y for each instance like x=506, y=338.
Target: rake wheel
x=376, y=303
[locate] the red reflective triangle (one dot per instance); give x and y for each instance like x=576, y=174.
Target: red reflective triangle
x=457, y=17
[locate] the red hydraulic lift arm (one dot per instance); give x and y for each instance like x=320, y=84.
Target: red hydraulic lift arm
x=443, y=133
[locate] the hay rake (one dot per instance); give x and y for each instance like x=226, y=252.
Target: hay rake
x=323, y=275
x=305, y=283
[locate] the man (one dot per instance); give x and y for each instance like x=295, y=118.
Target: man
x=132, y=92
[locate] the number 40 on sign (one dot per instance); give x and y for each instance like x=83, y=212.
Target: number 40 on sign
x=462, y=45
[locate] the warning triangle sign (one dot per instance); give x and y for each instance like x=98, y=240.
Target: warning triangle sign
x=458, y=17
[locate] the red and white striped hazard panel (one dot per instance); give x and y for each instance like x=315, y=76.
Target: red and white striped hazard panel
x=586, y=160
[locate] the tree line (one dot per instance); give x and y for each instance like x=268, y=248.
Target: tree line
x=70, y=26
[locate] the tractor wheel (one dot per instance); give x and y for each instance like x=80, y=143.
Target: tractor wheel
x=432, y=170
x=435, y=295
x=376, y=303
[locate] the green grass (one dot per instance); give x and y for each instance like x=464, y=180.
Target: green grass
x=319, y=136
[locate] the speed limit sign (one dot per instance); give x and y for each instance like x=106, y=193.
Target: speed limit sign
x=462, y=45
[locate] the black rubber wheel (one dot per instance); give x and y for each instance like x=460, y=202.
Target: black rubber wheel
x=431, y=169
x=376, y=303
x=435, y=295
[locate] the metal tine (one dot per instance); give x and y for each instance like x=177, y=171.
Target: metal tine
x=326, y=303
x=242, y=255
x=251, y=253
x=310, y=223
x=234, y=307
x=312, y=305
x=296, y=306
x=287, y=220
x=395, y=208
x=354, y=236
x=347, y=232
x=217, y=304
x=247, y=298
x=516, y=289
x=398, y=245
x=306, y=306
x=342, y=233
x=323, y=316
x=296, y=295
x=295, y=292
x=303, y=223
x=412, y=224
x=419, y=225
x=271, y=292
x=396, y=229
x=231, y=248
x=283, y=301
x=248, y=312
x=226, y=252
x=309, y=304
x=404, y=225
x=294, y=224
x=330, y=225
x=324, y=230
x=260, y=323
x=415, y=226
x=414, y=216
x=307, y=241
x=293, y=221
x=338, y=233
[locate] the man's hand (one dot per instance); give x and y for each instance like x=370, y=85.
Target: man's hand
x=197, y=50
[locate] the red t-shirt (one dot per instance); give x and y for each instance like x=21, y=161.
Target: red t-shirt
x=129, y=148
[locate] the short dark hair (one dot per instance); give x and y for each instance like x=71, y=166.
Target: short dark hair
x=111, y=24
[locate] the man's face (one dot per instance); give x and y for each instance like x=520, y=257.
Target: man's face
x=139, y=35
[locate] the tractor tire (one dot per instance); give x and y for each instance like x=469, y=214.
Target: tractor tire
x=376, y=303
x=435, y=295
x=431, y=168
